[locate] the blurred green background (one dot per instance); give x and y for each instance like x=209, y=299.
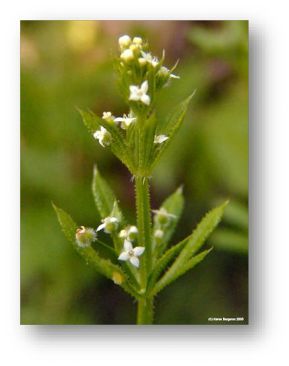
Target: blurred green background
x=69, y=64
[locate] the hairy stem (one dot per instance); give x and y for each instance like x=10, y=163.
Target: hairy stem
x=145, y=306
x=144, y=221
x=145, y=311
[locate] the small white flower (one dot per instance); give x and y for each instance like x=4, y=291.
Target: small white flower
x=124, y=41
x=130, y=253
x=107, y=116
x=109, y=224
x=85, y=236
x=140, y=93
x=125, y=121
x=127, y=55
x=130, y=233
x=162, y=216
x=103, y=137
x=123, y=234
x=160, y=139
x=148, y=58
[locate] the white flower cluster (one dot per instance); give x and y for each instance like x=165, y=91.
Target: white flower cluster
x=133, y=50
x=85, y=236
x=133, y=56
x=104, y=137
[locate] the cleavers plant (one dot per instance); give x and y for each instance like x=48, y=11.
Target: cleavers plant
x=136, y=256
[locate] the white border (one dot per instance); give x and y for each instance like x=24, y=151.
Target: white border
x=267, y=336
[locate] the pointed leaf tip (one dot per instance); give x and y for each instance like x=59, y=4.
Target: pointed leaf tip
x=180, y=190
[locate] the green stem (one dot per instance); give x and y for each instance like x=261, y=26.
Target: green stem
x=145, y=305
x=145, y=311
x=144, y=222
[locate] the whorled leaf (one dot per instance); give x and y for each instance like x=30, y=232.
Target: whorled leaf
x=168, y=278
x=196, y=241
x=103, y=266
x=201, y=233
x=163, y=261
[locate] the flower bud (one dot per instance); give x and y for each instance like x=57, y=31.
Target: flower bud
x=117, y=278
x=123, y=234
x=163, y=76
x=127, y=55
x=85, y=236
x=107, y=116
x=133, y=47
x=158, y=235
x=137, y=41
x=124, y=41
x=129, y=233
x=132, y=233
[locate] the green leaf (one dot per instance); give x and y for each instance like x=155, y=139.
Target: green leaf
x=200, y=234
x=68, y=226
x=115, y=212
x=147, y=143
x=106, y=203
x=103, y=195
x=174, y=205
x=162, y=262
x=196, y=241
x=103, y=266
x=171, y=127
x=90, y=123
x=169, y=277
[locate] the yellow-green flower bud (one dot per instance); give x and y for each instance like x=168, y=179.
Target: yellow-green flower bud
x=85, y=236
x=127, y=55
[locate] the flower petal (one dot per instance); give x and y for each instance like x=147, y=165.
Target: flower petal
x=112, y=219
x=134, y=261
x=127, y=245
x=119, y=119
x=100, y=227
x=123, y=256
x=144, y=87
x=145, y=99
x=137, y=251
x=160, y=139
